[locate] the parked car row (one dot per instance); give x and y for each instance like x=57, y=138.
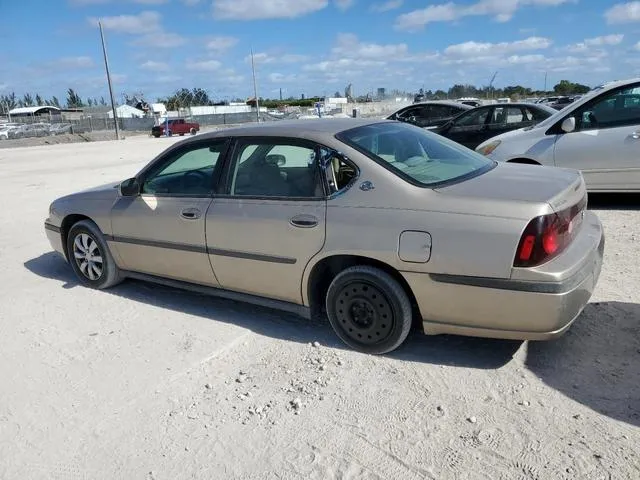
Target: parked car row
x=597, y=133
x=10, y=131
x=471, y=126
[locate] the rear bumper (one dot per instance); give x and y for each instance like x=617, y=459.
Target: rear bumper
x=522, y=309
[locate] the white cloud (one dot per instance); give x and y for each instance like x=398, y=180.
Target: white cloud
x=525, y=59
x=474, y=49
x=589, y=43
x=386, y=6
x=636, y=47
x=264, y=58
x=282, y=78
x=144, y=22
x=349, y=46
x=605, y=40
x=623, y=13
x=221, y=43
x=203, y=65
x=501, y=10
x=344, y=4
x=265, y=9
x=74, y=62
x=160, y=40
x=154, y=66
x=341, y=63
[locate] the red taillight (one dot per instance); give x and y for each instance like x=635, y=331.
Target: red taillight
x=548, y=235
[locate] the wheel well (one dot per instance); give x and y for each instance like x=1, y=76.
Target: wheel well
x=526, y=161
x=67, y=223
x=327, y=268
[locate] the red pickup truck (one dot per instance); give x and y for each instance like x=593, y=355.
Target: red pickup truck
x=177, y=126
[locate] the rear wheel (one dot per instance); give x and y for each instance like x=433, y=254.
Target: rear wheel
x=90, y=257
x=369, y=310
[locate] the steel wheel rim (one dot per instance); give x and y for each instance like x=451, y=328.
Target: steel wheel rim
x=364, y=313
x=88, y=257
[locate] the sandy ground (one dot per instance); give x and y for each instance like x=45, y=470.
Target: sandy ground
x=146, y=382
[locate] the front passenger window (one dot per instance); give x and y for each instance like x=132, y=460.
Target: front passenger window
x=618, y=109
x=188, y=172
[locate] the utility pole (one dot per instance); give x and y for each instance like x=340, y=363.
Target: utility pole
x=106, y=67
x=545, y=82
x=255, y=88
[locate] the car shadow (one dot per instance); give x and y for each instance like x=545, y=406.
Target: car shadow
x=614, y=201
x=597, y=362
x=465, y=352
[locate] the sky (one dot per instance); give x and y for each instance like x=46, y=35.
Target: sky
x=312, y=47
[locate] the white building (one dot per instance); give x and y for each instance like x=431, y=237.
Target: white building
x=126, y=111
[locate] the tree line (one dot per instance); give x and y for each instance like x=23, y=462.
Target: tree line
x=185, y=97
x=11, y=100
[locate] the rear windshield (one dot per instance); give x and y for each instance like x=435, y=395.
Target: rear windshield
x=421, y=157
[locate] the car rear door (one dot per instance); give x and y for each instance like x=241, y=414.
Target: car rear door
x=270, y=218
x=161, y=231
x=605, y=145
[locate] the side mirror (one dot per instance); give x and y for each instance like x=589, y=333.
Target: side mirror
x=130, y=188
x=568, y=124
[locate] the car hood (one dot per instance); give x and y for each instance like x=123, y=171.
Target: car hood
x=107, y=191
x=517, y=190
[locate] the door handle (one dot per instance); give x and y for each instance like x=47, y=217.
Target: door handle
x=304, y=221
x=190, y=213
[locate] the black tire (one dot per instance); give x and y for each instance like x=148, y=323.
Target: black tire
x=192, y=131
x=169, y=133
x=110, y=273
x=369, y=310
x=182, y=134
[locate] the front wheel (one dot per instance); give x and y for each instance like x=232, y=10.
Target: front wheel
x=192, y=131
x=90, y=257
x=369, y=310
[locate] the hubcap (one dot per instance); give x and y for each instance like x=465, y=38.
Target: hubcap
x=364, y=313
x=88, y=256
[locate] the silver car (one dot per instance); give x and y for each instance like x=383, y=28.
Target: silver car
x=374, y=223
x=599, y=134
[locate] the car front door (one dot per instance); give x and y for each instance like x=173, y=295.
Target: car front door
x=161, y=231
x=605, y=145
x=270, y=221
x=469, y=129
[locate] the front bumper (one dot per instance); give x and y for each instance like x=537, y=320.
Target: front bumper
x=530, y=309
x=55, y=238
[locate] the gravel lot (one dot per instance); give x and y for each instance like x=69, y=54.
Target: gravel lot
x=146, y=382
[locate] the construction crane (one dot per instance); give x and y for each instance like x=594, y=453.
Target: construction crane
x=491, y=83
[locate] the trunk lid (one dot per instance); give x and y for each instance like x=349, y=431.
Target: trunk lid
x=523, y=184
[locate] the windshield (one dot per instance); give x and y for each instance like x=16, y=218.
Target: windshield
x=417, y=155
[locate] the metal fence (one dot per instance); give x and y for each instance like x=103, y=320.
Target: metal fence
x=47, y=125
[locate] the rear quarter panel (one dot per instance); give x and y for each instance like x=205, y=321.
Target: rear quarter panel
x=369, y=224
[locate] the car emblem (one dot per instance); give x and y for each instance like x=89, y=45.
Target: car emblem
x=366, y=186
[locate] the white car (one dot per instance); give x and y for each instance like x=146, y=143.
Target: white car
x=598, y=134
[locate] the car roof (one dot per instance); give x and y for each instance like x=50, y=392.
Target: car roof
x=299, y=127
x=442, y=102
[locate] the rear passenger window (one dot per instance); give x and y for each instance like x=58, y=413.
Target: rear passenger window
x=280, y=169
